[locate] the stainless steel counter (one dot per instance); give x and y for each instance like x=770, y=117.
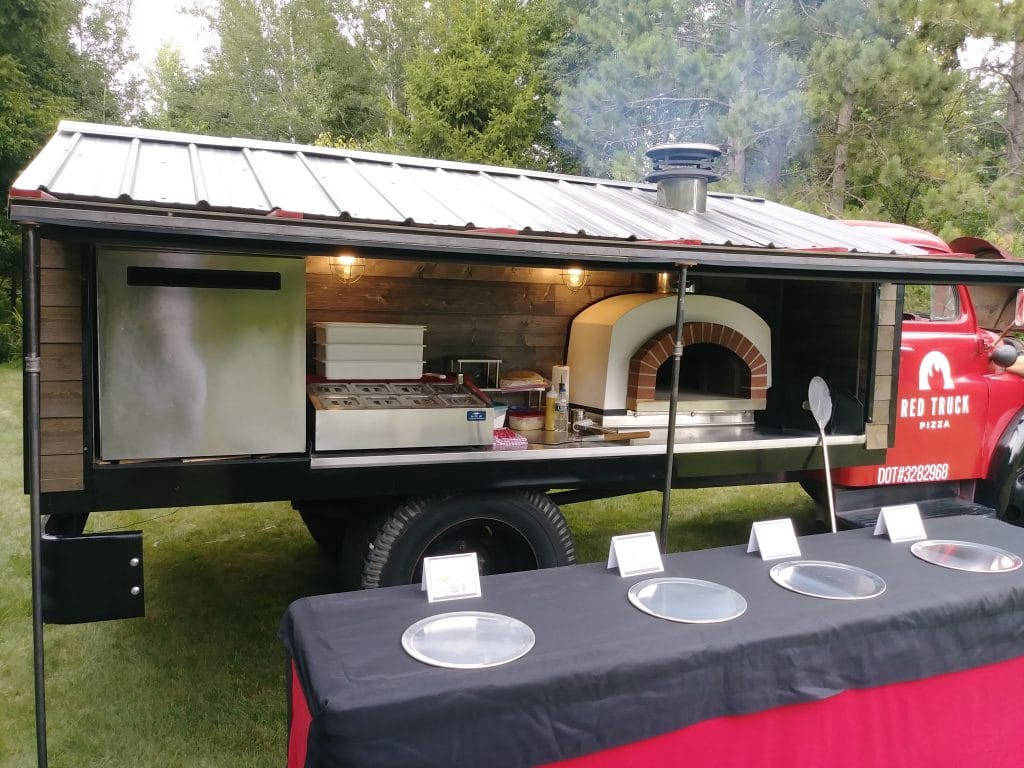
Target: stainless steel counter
x=553, y=446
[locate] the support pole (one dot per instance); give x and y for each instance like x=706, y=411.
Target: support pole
x=30, y=307
x=673, y=405
x=828, y=481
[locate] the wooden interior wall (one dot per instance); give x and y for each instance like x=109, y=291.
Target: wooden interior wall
x=819, y=328
x=828, y=332
x=60, y=351
x=886, y=351
x=519, y=315
x=831, y=323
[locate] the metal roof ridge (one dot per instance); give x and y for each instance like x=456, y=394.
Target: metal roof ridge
x=236, y=142
x=384, y=158
x=134, y=132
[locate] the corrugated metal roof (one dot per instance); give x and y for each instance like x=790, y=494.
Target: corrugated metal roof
x=128, y=184
x=106, y=164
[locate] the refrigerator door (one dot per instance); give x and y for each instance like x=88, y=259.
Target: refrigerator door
x=199, y=354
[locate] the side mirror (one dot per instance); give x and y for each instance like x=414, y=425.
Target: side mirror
x=1004, y=355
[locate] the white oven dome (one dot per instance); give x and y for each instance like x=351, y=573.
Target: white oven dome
x=604, y=338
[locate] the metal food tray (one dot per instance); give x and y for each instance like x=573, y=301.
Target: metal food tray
x=966, y=556
x=366, y=395
x=688, y=601
x=833, y=581
x=468, y=640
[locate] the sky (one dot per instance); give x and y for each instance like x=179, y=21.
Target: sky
x=157, y=21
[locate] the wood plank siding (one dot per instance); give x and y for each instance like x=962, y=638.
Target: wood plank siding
x=519, y=315
x=60, y=349
x=886, y=360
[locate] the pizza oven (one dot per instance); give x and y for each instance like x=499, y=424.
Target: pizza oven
x=620, y=353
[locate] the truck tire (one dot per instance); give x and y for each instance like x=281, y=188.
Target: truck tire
x=328, y=531
x=509, y=531
x=817, y=490
x=328, y=521
x=1003, y=488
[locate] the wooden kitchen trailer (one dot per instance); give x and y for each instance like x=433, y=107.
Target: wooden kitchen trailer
x=175, y=285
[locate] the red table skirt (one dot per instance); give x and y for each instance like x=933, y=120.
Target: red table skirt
x=958, y=720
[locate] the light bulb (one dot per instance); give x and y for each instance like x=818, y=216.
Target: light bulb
x=346, y=267
x=574, y=278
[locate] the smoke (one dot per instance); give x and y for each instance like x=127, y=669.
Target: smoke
x=713, y=73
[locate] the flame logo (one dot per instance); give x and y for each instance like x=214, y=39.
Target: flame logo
x=931, y=364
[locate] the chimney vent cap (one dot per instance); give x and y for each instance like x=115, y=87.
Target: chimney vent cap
x=683, y=160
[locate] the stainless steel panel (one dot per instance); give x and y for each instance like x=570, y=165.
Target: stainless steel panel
x=372, y=415
x=402, y=427
x=537, y=451
x=200, y=371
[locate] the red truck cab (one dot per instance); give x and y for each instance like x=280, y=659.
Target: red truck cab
x=957, y=412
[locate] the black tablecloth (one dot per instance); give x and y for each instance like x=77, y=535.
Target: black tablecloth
x=602, y=673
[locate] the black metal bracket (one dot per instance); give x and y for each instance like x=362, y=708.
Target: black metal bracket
x=93, y=577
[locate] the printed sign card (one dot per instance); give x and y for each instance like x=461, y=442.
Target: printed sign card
x=451, y=577
x=902, y=522
x=773, y=539
x=635, y=554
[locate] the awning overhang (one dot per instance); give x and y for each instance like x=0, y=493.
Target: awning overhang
x=307, y=236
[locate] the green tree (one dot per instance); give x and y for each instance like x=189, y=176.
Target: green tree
x=105, y=90
x=58, y=59
x=283, y=70
x=174, y=93
x=33, y=97
x=478, y=88
x=883, y=100
x=727, y=72
x=1003, y=23
x=633, y=75
x=388, y=34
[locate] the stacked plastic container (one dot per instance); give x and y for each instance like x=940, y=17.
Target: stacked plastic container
x=368, y=350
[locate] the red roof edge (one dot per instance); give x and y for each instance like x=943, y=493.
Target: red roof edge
x=979, y=247
x=36, y=194
x=902, y=233
x=281, y=213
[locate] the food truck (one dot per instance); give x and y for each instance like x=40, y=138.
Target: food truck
x=373, y=338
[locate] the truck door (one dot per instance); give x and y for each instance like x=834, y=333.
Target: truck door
x=942, y=396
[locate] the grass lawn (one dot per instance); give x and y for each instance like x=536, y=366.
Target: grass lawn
x=200, y=680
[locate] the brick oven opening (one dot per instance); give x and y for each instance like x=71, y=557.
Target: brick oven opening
x=706, y=369
x=620, y=353
x=720, y=370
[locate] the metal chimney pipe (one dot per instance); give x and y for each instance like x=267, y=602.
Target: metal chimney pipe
x=682, y=173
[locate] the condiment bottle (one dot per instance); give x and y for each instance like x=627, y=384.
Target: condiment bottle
x=550, y=399
x=562, y=409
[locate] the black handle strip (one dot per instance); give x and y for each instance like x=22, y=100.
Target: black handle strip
x=230, y=279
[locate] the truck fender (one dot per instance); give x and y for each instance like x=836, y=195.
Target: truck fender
x=1003, y=488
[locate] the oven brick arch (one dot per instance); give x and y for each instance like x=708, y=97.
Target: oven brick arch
x=644, y=365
